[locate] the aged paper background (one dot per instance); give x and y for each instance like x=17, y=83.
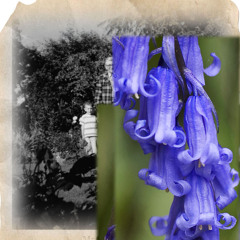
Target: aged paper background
x=46, y=19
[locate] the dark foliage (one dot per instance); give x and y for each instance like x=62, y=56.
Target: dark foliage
x=83, y=165
x=76, y=175
x=58, y=79
x=37, y=199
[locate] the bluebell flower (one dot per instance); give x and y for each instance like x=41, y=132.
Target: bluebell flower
x=166, y=106
x=202, y=135
x=159, y=109
x=143, y=130
x=192, y=68
x=200, y=209
x=192, y=57
x=191, y=53
x=129, y=65
x=164, y=173
x=167, y=225
x=169, y=56
x=223, y=183
x=193, y=215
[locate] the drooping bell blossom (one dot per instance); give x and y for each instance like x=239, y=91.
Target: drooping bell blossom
x=199, y=206
x=145, y=127
x=193, y=215
x=223, y=183
x=193, y=60
x=167, y=225
x=159, y=108
x=200, y=209
x=129, y=65
x=201, y=137
x=192, y=66
x=163, y=172
x=169, y=56
x=196, y=127
x=168, y=109
x=191, y=53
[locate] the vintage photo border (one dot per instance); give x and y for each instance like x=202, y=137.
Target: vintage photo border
x=220, y=18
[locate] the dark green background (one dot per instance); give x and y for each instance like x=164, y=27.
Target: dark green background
x=120, y=158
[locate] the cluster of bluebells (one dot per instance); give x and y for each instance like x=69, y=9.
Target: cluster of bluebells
x=186, y=160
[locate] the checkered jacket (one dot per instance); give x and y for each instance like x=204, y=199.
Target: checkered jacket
x=104, y=91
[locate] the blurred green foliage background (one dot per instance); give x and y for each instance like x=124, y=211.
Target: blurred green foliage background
x=120, y=158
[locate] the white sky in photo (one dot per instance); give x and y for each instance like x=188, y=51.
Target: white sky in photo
x=50, y=25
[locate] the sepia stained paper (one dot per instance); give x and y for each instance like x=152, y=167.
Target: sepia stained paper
x=46, y=19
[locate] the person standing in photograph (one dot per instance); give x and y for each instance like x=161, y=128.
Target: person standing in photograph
x=104, y=87
x=88, y=124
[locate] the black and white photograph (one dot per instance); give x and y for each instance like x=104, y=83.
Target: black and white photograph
x=56, y=90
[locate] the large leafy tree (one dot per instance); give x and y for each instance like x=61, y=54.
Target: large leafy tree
x=56, y=80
